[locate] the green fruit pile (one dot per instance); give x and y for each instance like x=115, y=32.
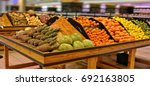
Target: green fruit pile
x=43, y=38
x=74, y=41
x=133, y=29
x=144, y=26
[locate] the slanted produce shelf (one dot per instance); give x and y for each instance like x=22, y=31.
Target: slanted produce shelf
x=45, y=59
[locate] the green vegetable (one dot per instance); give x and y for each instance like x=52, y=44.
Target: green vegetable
x=41, y=43
x=35, y=34
x=50, y=39
x=44, y=31
x=52, y=34
x=39, y=36
x=44, y=37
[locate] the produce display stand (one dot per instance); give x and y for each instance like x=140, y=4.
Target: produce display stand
x=7, y=28
x=11, y=30
x=47, y=59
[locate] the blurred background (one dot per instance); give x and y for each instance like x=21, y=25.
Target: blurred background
x=135, y=6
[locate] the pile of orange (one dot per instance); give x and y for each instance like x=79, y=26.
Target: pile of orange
x=115, y=29
x=98, y=36
x=85, y=22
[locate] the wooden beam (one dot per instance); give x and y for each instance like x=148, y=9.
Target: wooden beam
x=131, y=58
x=6, y=56
x=92, y=62
x=142, y=61
x=99, y=62
x=22, y=65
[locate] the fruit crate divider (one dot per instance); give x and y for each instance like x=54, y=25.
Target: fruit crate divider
x=131, y=19
x=36, y=16
x=79, y=27
x=122, y=26
x=25, y=18
x=51, y=20
x=31, y=16
x=145, y=22
x=140, y=19
x=1, y=26
x=101, y=26
x=133, y=22
x=9, y=18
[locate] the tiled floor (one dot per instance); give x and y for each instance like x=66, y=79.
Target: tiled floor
x=16, y=58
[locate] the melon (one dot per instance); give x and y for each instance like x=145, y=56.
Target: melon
x=76, y=37
x=65, y=47
x=88, y=43
x=65, y=39
x=78, y=45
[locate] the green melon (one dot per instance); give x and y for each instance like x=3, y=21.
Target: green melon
x=65, y=47
x=65, y=39
x=78, y=45
x=76, y=37
x=88, y=43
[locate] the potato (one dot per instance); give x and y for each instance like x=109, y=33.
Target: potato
x=44, y=48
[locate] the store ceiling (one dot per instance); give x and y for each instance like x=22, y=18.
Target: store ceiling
x=57, y=2
x=89, y=1
x=115, y=1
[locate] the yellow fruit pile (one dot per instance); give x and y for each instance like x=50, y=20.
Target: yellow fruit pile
x=133, y=29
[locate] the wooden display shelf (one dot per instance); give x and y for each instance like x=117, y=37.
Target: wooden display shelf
x=46, y=59
x=11, y=30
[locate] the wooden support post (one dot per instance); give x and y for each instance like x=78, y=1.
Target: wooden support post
x=6, y=56
x=99, y=62
x=92, y=62
x=131, y=59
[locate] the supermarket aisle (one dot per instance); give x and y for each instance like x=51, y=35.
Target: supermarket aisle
x=16, y=58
